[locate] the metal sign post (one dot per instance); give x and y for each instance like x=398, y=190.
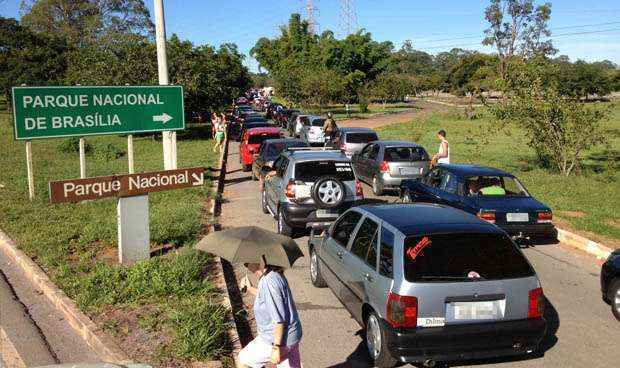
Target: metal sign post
x=29, y=170
x=169, y=138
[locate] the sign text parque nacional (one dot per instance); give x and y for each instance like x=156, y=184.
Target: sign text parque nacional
x=76, y=190
x=48, y=112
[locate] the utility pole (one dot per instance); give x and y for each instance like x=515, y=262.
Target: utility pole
x=169, y=138
x=348, y=18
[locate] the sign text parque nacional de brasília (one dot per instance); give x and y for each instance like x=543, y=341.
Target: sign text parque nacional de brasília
x=48, y=112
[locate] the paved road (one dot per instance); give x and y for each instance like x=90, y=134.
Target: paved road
x=583, y=333
x=38, y=333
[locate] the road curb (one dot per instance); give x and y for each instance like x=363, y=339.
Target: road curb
x=217, y=190
x=105, y=349
x=580, y=242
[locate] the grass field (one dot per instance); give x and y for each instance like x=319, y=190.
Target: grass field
x=167, y=300
x=587, y=200
x=340, y=112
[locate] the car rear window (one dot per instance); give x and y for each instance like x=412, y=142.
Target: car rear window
x=405, y=154
x=259, y=138
x=274, y=149
x=361, y=137
x=463, y=257
x=318, y=122
x=312, y=170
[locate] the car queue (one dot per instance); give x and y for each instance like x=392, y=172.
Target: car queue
x=438, y=277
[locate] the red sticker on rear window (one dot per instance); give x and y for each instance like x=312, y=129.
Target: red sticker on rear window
x=413, y=252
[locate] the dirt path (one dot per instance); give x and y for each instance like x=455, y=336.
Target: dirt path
x=420, y=107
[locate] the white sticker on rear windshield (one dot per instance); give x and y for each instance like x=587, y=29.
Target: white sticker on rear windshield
x=431, y=322
x=342, y=164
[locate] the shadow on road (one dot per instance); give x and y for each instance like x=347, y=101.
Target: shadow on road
x=237, y=180
x=358, y=358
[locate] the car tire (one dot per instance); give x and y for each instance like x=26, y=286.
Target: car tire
x=316, y=276
x=246, y=168
x=334, y=187
x=263, y=201
x=614, y=298
x=377, y=188
x=375, y=338
x=283, y=227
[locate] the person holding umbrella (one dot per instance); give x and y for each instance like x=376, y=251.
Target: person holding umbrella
x=265, y=254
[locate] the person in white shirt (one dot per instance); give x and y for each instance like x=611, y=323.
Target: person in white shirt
x=443, y=156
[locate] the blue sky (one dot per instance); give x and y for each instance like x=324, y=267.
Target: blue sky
x=433, y=26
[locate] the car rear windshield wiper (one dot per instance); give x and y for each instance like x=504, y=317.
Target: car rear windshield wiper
x=443, y=278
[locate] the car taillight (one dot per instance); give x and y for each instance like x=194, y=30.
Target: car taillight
x=384, y=167
x=545, y=216
x=359, y=191
x=402, y=311
x=487, y=216
x=289, y=191
x=536, y=304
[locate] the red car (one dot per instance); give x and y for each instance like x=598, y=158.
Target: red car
x=251, y=141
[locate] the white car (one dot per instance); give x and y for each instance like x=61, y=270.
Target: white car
x=312, y=130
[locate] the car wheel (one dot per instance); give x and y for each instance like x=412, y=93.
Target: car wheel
x=315, y=270
x=376, y=343
x=614, y=298
x=376, y=186
x=328, y=192
x=283, y=227
x=263, y=201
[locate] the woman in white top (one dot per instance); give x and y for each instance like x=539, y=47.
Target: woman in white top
x=443, y=156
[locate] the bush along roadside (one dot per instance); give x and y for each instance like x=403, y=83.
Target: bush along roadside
x=164, y=311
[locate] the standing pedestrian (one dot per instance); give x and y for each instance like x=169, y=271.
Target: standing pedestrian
x=329, y=128
x=220, y=133
x=443, y=155
x=277, y=321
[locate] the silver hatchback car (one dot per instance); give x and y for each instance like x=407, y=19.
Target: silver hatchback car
x=430, y=283
x=385, y=164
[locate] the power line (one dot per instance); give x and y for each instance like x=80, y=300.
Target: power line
x=556, y=36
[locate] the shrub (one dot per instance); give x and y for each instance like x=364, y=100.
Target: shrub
x=108, y=152
x=72, y=145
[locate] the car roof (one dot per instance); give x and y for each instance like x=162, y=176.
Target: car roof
x=261, y=130
x=396, y=144
x=313, y=155
x=427, y=218
x=474, y=170
x=356, y=130
x=283, y=140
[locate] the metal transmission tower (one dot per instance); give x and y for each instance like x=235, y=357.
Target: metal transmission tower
x=348, y=17
x=311, y=11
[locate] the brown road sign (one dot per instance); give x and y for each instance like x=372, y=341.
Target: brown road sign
x=76, y=190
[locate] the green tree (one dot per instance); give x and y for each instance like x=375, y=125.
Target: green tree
x=558, y=128
x=84, y=22
x=391, y=87
x=28, y=58
x=517, y=27
x=319, y=87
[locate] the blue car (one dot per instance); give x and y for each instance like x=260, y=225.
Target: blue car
x=491, y=194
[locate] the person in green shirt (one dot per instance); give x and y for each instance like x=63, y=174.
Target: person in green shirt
x=495, y=189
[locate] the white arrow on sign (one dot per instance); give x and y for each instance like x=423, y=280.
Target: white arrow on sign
x=198, y=179
x=164, y=118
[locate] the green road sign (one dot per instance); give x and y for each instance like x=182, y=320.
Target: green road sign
x=48, y=112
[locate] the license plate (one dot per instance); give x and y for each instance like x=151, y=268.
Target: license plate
x=302, y=191
x=517, y=217
x=326, y=213
x=409, y=171
x=487, y=310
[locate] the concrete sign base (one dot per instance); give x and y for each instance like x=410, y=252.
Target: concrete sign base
x=133, y=229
